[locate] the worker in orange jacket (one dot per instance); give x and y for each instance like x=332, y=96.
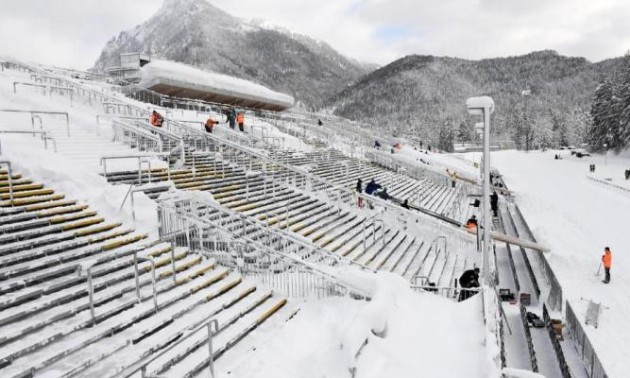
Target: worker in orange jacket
x=240, y=119
x=156, y=119
x=607, y=261
x=472, y=223
x=210, y=123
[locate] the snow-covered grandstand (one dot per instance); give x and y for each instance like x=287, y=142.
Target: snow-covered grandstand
x=129, y=250
x=184, y=81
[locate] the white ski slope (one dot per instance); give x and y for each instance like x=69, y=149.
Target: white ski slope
x=577, y=218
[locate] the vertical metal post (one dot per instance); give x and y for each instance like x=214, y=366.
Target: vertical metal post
x=486, y=197
x=211, y=354
x=91, y=293
x=136, y=274
x=133, y=207
x=173, y=258
x=139, y=172
x=153, y=281
x=10, y=179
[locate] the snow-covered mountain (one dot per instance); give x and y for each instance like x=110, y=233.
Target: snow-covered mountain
x=420, y=93
x=197, y=33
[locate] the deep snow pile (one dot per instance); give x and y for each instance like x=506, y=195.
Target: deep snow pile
x=409, y=335
x=577, y=218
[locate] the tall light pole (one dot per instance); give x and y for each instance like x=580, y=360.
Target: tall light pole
x=484, y=106
x=528, y=126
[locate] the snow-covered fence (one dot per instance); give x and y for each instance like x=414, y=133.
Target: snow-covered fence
x=528, y=337
x=43, y=134
x=564, y=366
x=555, y=293
x=415, y=171
x=135, y=138
x=63, y=91
x=271, y=256
x=528, y=264
x=594, y=367
x=38, y=115
x=607, y=183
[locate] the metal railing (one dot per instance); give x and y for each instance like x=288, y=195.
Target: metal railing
x=555, y=293
x=528, y=264
x=36, y=114
x=445, y=291
x=562, y=362
x=259, y=251
x=592, y=363
x=51, y=89
x=44, y=137
x=141, y=159
x=148, y=138
x=528, y=338
x=206, y=324
x=136, y=138
x=133, y=189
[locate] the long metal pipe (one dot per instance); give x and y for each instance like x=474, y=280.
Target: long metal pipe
x=487, y=220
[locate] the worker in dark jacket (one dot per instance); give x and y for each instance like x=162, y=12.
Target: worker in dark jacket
x=383, y=194
x=359, y=191
x=494, y=203
x=372, y=187
x=231, y=118
x=469, y=279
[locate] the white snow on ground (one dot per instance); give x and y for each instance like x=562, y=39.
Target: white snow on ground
x=577, y=218
x=159, y=71
x=419, y=335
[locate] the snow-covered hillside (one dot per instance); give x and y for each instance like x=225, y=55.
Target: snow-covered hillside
x=577, y=217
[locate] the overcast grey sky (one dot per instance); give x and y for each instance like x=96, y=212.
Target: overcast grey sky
x=73, y=32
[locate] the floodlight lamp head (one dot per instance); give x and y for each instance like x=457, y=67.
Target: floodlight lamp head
x=477, y=105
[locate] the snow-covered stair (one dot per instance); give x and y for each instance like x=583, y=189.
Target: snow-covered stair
x=46, y=325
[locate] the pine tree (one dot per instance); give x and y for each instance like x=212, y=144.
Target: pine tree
x=464, y=132
x=623, y=104
x=581, y=122
x=544, y=136
x=446, y=137
x=560, y=129
x=604, y=117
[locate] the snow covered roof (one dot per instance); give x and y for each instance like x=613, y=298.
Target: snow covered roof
x=181, y=80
